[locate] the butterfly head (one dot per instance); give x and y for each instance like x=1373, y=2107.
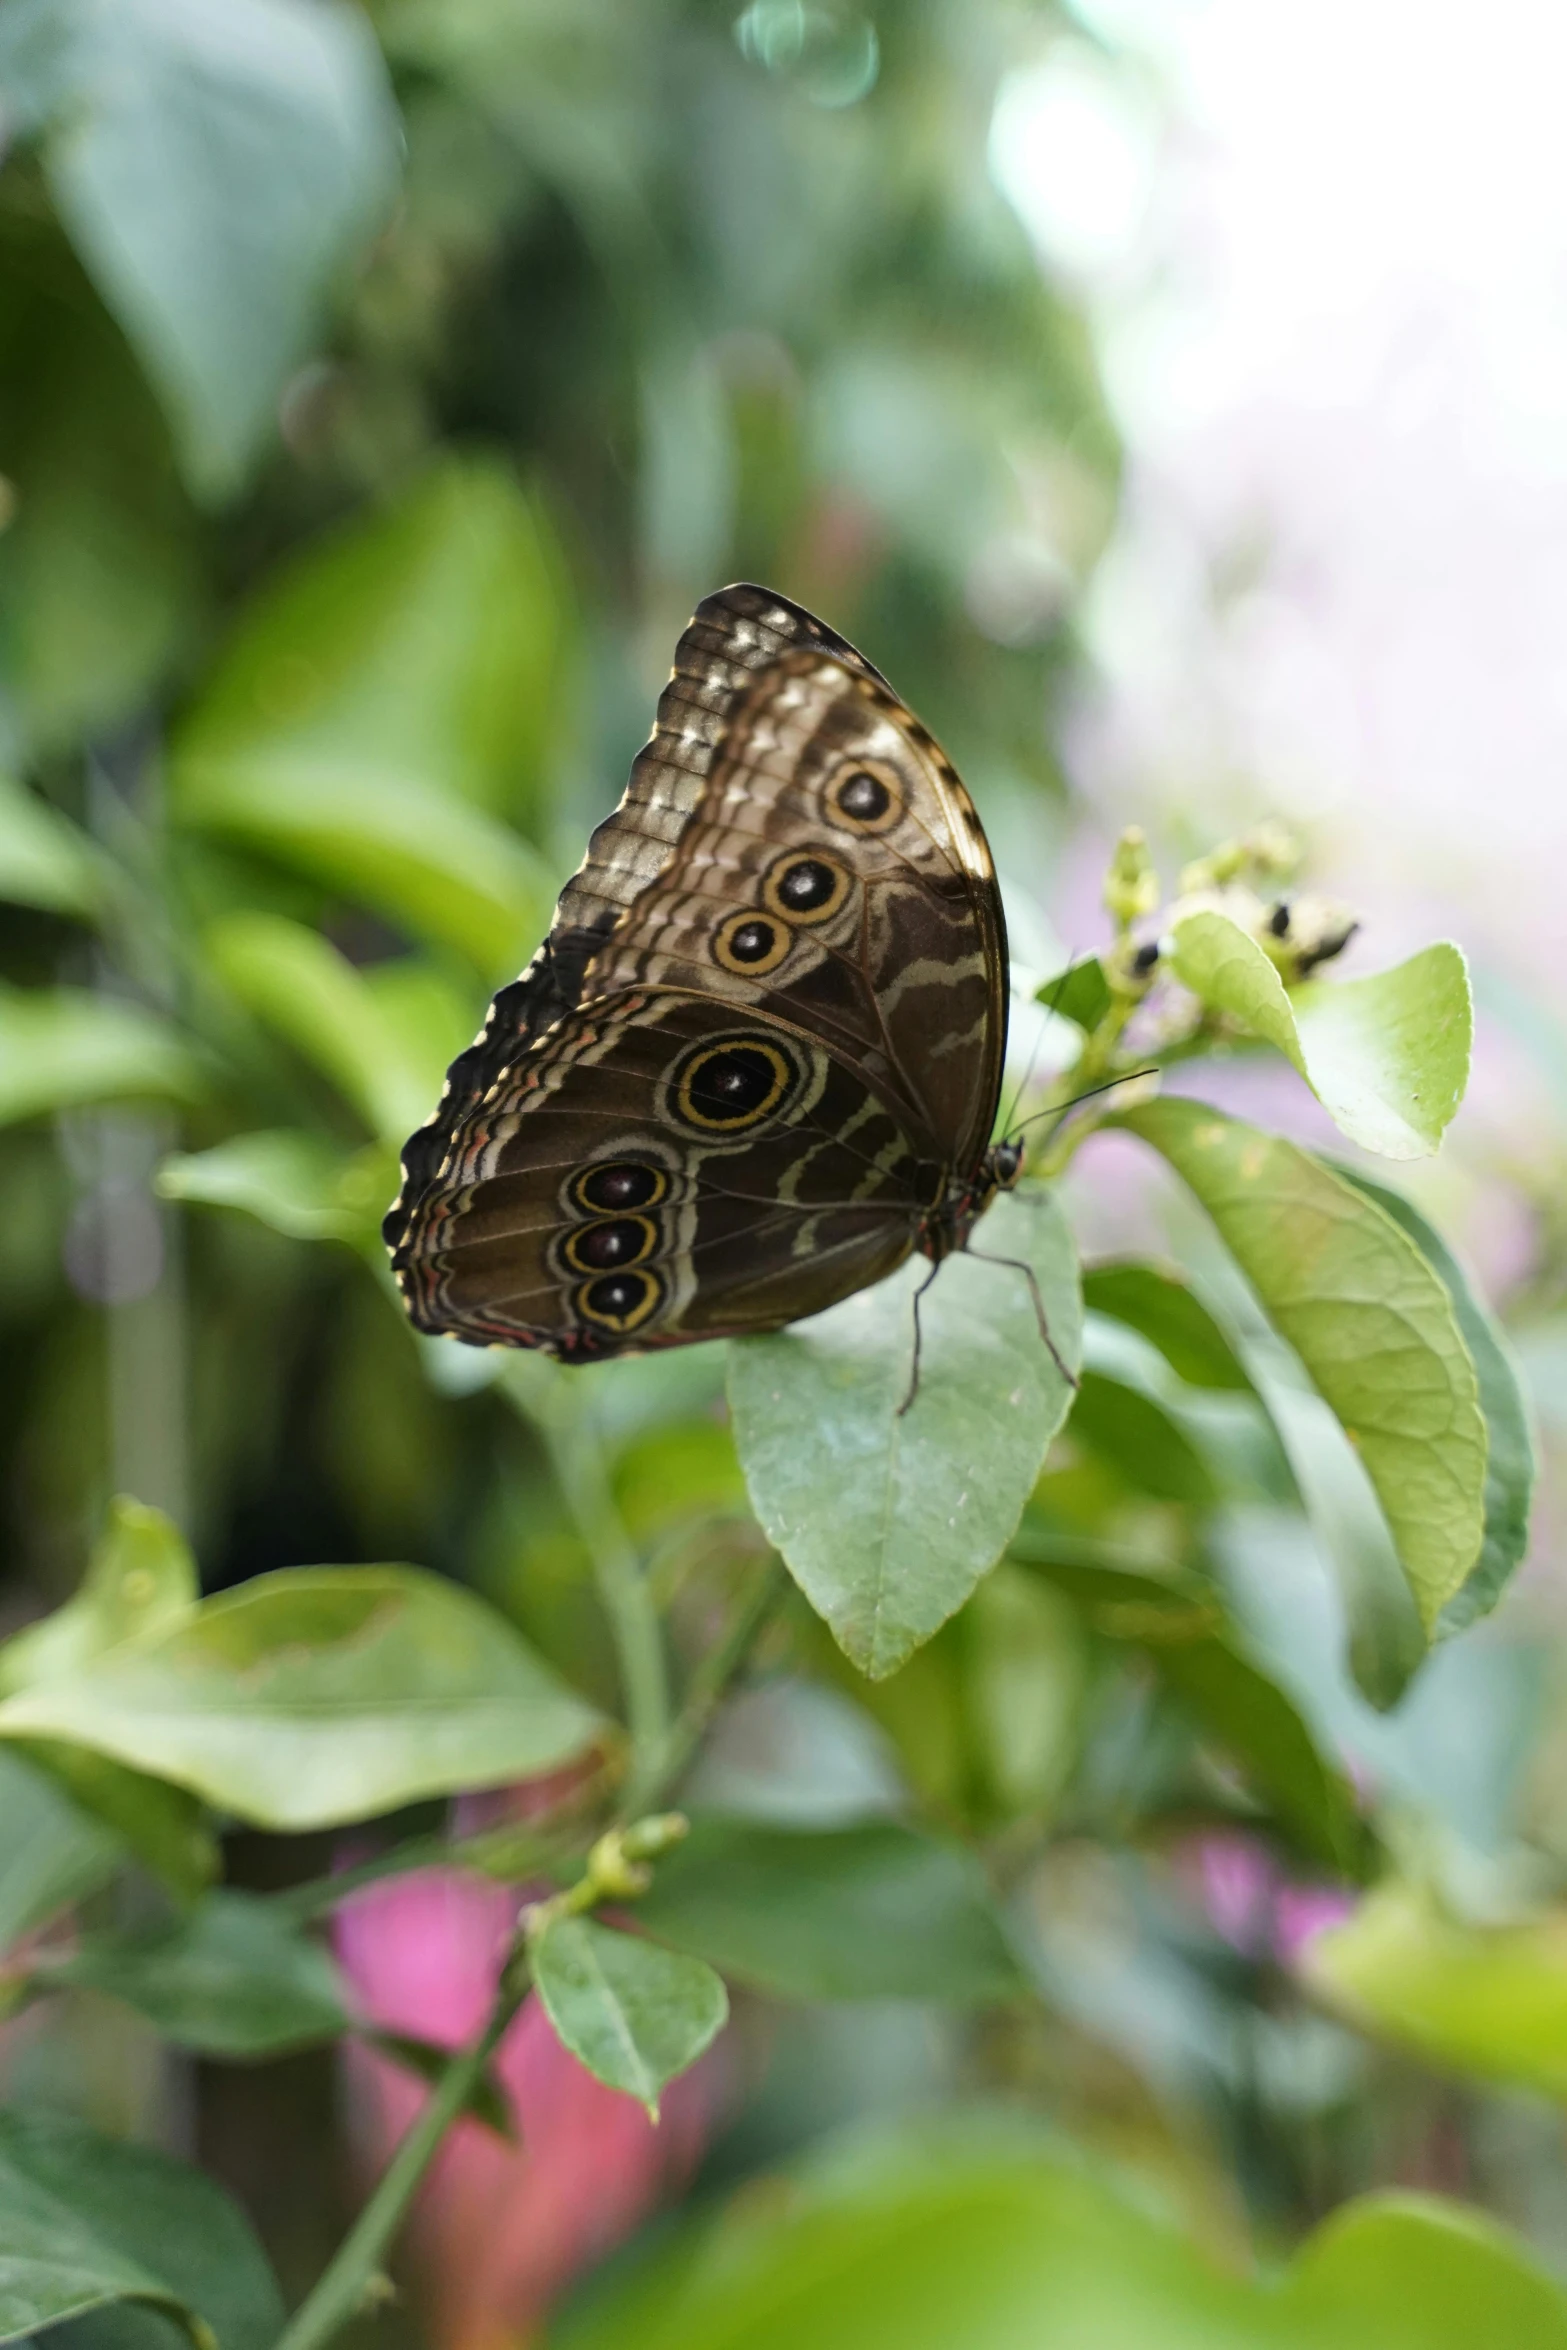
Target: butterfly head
x=1004, y=1164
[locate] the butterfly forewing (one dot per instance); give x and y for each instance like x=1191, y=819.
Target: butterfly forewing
x=763, y=1036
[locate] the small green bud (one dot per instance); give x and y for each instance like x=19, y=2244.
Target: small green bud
x=1131, y=885
x=651, y=1838
x=1272, y=849
x=612, y=1872
x=1264, y=853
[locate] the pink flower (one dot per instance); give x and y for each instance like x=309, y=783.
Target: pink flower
x=1250, y=1902
x=1237, y=1878
x=1304, y=1911
x=499, y=2229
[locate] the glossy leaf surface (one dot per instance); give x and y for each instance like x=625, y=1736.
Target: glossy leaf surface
x=88, y=2221
x=320, y=1694
x=1367, y=1316
x=1387, y=1056
x=886, y=1521
x=1509, y=1463
x=634, y=2014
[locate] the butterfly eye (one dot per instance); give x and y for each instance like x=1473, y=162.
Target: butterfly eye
x=725, y=1088
x=620, y=1302
x=750, y=945
x=616, y=1184
x=604, y=1248
x=806, y=889
x=863, y=800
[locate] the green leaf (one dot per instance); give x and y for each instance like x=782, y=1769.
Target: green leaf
x=1488, y=2000
x=449, y=872
x=45, y=859
x=162, y=1825
x=887, y=1523
x=86, y=2221
x=1157, y=1301
x=298, y=1182
x=428, y=644
x=1370, y=1321
x=318, y=1695
x=61, y=1048
x=1182, y=1631
x=871, y=1912
x=100, y=575
x=1388, y=1057
x=1081, y=994
x=233, y=1979
x=54, y=2266
x=635, y=2015
x=1510, y=1463
x=51, y=1854
x=215, y=169
x=974, y=2236
x=1142, y=1443
x=394, y=693
x=141, y=1578
x=1386, y=1639
x=1423, y=2274
x=299, y=985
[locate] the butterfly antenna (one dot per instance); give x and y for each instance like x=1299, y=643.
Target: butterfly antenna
x=1051, y=1009
x=1065, y=1109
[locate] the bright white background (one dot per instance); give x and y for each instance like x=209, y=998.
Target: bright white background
x=1326, y=246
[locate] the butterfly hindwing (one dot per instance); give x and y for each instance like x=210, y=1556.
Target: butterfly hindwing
x=792, y=911
x=666, y=1172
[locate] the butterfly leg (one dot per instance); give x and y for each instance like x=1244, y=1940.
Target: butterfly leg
x=1017, y=1265
x=914, y=1375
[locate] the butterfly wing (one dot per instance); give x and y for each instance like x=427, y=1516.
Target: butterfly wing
x=666, y=1171
x=795, y=871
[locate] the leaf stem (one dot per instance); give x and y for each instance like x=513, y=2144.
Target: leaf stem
x=581, y=1471
x=707, y=1685
x=349, y=2281
x=350, y=2278
x=509, y=1852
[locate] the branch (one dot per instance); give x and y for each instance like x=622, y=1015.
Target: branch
x=351, y=2279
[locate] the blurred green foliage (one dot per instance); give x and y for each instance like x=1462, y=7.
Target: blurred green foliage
x=379, y=389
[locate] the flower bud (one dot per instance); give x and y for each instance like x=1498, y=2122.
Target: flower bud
x=1131, y=885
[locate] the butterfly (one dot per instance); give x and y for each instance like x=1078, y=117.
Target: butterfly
x=756, y=1063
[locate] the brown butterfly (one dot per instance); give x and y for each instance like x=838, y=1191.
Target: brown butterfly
x=757, y=1060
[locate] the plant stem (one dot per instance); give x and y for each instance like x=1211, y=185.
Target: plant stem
x=349, y=2280
x=582, y=1473
x=509, y=1852
x=708, y=1683
x=342, y=2290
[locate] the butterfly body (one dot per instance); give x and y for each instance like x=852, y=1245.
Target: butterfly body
x=755, y=1065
